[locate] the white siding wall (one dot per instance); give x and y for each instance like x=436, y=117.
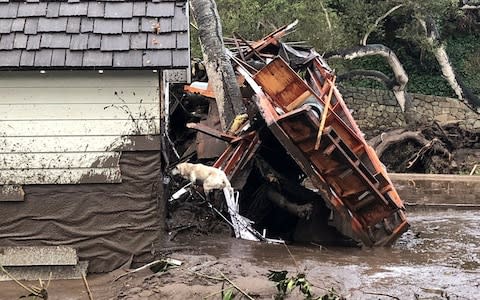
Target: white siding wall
x=67, y=127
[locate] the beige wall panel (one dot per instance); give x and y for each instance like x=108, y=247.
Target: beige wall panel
x=52, y=95
x=79, y=127
x=12, y=161
x=47, y=144
x=77, y=111
x=60, y=176
x=68, y=127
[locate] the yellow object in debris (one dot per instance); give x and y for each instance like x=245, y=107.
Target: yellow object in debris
x=238, y=122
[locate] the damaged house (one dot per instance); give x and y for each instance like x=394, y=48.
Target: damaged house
x=81, y=89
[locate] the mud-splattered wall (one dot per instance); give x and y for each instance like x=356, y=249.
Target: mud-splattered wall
x=80, y=154
x=377, y=110
x=68, y=127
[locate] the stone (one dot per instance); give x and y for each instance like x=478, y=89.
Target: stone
x=46, y=272
x=46, y=255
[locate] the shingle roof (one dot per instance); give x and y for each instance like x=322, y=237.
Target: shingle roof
x=93, y=34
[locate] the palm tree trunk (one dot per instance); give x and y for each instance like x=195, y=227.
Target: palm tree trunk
x=218, y=66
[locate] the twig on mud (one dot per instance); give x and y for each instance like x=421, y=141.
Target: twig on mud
x=176, y=248
x=31, y=290
x=235, y=286
x=214, y=293
x=203, y=266
x=223, y=278
x=89, y=292
x=143, y=268
x=291, y=255
x=322, y=248
x=381, y=294
x=205, y=275
x=172, y=234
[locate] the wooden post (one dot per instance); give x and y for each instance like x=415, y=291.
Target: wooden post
x=325, y=112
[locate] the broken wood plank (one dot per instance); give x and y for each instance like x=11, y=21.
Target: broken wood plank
x=325, y=112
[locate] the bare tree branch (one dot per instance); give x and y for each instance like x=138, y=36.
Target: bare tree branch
x=372, y=28
x=470, y=7
x=370, y=74
x=401, y=77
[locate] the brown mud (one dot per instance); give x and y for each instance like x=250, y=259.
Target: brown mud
x=439, y=258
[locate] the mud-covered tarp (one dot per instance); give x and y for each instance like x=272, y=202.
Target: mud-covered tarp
x=107, y=223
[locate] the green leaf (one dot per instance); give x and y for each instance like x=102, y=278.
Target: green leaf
x=228, y=295
x=277, y=276
x=291, y=284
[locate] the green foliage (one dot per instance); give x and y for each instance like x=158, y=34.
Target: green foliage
x=464, y=51
x=285, y=285
x=228, y=295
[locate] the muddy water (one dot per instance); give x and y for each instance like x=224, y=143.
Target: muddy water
x=439, y=258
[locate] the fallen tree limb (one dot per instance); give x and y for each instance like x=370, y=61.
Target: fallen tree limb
x=302, y=211
x=391, y=138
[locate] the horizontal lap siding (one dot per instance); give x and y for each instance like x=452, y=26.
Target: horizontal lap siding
x=68, y=127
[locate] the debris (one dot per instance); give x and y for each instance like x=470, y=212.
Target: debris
x=156, y=266
x=35, y=291
x=434, y=149
x=85, y=282
x=299, y=124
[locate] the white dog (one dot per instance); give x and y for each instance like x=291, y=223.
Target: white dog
x=211, y=178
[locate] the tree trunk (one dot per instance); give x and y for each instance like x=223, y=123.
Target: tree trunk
x=219, y=68
x=438, y=49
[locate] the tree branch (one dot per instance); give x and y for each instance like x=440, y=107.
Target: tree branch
x=470, y=7
x=372, y=28
x=369, y=74
x=401, y=77
x=391, y=138
x=303, y=211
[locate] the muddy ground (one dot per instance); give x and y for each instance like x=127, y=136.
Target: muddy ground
x=439, y=258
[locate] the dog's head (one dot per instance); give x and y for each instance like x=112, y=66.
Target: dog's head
x=178, y=169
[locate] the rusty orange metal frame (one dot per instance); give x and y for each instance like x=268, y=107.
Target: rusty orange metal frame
x=344, y=168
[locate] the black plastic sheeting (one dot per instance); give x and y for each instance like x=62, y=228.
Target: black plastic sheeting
x=106, y=223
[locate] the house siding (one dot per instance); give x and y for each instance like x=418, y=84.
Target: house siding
x=70, y=127
x=80, y=163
